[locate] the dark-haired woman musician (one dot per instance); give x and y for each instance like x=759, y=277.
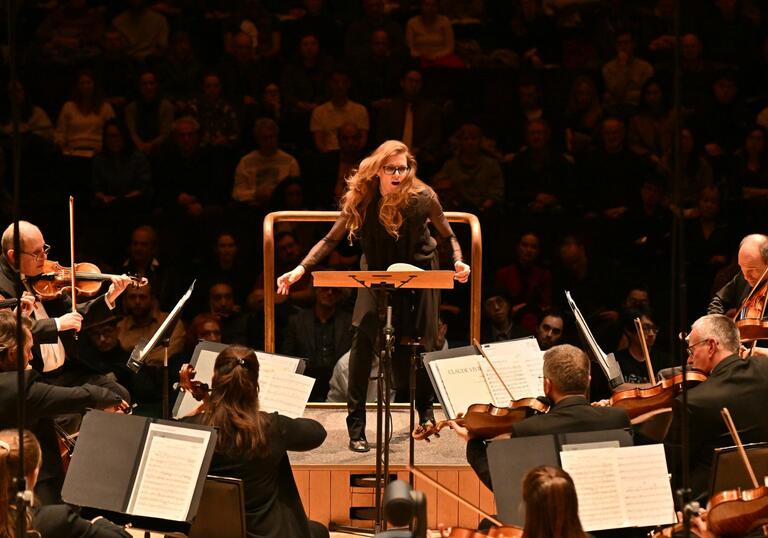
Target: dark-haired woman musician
x=252, y=446
x=551, y=506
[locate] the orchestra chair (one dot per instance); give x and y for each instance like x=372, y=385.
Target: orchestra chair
x=222, y=509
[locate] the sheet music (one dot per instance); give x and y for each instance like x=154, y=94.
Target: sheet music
x=284, y=392
x=463, y=383
x=168, y=472
x=206, y=359
x=520, y=364
x=621, y=487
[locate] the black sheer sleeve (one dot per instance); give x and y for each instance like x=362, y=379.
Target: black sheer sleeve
x=326, y=245
x=301, y=434
x=442, y=226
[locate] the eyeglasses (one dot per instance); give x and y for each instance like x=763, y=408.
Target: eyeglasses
x=650, y=329
x=40, y=253
x=689, y=348
x=395, y=170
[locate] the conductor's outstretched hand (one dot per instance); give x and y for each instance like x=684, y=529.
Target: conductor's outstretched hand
x=462, y=271
x=284, y=281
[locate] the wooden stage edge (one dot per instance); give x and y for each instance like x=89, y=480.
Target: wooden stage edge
x=331, y=493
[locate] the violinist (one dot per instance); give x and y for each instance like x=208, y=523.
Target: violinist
x=735, y=383
x=252, y=445
x=753, y=260
x=59, y=520
x=55, y=323
x=43, y=402
x=566, y=380
x=551, y=505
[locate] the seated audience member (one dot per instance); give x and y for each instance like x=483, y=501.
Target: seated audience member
x=304, y=80
x=631, y=359
x=59, y=520
x=551, y=505
x=44, y=402
x=142, y=261
x=142, y=318
x=582, y=115
x=412, y=118
x=81, y=120
x=328, y=175
x=528, y=107
x=549, y=331
x=145, y=30
x=236, y=327
x=651, y=129
x=70, y=34
x=752, y=168
x=736, y=383
x=625, y=74
x=430, y=37
x=476, y=177
x=338, y=110
x=219, y=125
x=102, y=352
x=33, y=120
x=290, y=195
x=723, y=119
x=180, y=71
x=321, y=335
x=357, y=41
x=288, y=255
x=116, y=70
x=566, y=381
x=260, y=171
x=697, y=170
x=252, y=445
x=498, y=319
x=539, y=177
x=149, y=118
x=241, y=74
x=227, y=262
x=376, y=75
x=526, y=282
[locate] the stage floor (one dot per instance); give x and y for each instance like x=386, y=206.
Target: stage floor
x=448, y=449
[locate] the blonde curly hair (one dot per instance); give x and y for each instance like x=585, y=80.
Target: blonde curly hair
x=362, y=185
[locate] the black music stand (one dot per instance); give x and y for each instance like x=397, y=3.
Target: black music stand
x=161, y=337
x=382, y=283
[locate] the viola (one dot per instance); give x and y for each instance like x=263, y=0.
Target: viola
x=738, y=512
x=486, y=421
x=55, y=280
x=188, y=383
x=639, y=401
x=506, y=531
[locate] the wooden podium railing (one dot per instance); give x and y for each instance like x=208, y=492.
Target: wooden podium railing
x=476, y=263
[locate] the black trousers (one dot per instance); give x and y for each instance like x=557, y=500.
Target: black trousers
x=360, y=361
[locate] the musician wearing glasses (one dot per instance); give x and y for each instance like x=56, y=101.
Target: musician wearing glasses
x=736, y=383
x=386, y=207
x=54, y=322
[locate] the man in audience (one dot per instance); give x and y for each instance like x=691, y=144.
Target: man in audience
x=566, y=380
x=321, y=335
x=497, y=315
x=625, y=75
x=145, y=30
x=236, y=327
x=329, y=116
x=549, y=331
x=260, y=171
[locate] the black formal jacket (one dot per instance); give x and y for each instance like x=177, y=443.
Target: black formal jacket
x=63, y=521
x=739, y=384
x=43, y=402
x=273, y=507
x=729, y=296
x=44, y=331
x=573, y=414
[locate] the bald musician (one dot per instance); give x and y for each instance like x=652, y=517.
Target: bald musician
x=739, y=384
x=753, y=260
x=566, y=380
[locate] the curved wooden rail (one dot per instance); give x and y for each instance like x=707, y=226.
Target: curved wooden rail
x=476, y=262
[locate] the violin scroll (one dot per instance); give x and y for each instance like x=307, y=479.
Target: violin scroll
x=187, y=383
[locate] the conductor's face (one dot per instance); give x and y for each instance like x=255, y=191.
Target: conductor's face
x=392, y=173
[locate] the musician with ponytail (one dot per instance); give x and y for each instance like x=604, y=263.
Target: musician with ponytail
x=252, y=446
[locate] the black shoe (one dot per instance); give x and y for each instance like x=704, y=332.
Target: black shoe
x=359, y=445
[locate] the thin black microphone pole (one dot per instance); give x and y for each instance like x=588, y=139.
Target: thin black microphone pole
x=21, y=481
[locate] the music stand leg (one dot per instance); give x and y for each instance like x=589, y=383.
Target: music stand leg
x=412, y=406
x=166, y=396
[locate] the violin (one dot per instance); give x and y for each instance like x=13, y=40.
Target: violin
x=506, y=531
x=486, y=421
x=639, y=401
x=750, y=319
x=56, y=280
x=187, y=383
x=738, y=512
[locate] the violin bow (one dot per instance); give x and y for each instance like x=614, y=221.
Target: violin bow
x=72, y=254
x=646, y=354
x=434, y=483
x=752, y=292
x=495, y=371
x=737, y=440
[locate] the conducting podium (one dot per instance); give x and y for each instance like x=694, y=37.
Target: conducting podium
x=382, y=284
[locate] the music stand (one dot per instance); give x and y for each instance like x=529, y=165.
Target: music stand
x=382, y=283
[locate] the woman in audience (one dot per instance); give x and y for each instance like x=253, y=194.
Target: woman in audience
x=32, y=119
x=81, y=120
x=551, y=506
x=218, y=122
x=55, y=520
x=650, y=131
x=430, y=37
x=582, y=115
x=252, y=446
